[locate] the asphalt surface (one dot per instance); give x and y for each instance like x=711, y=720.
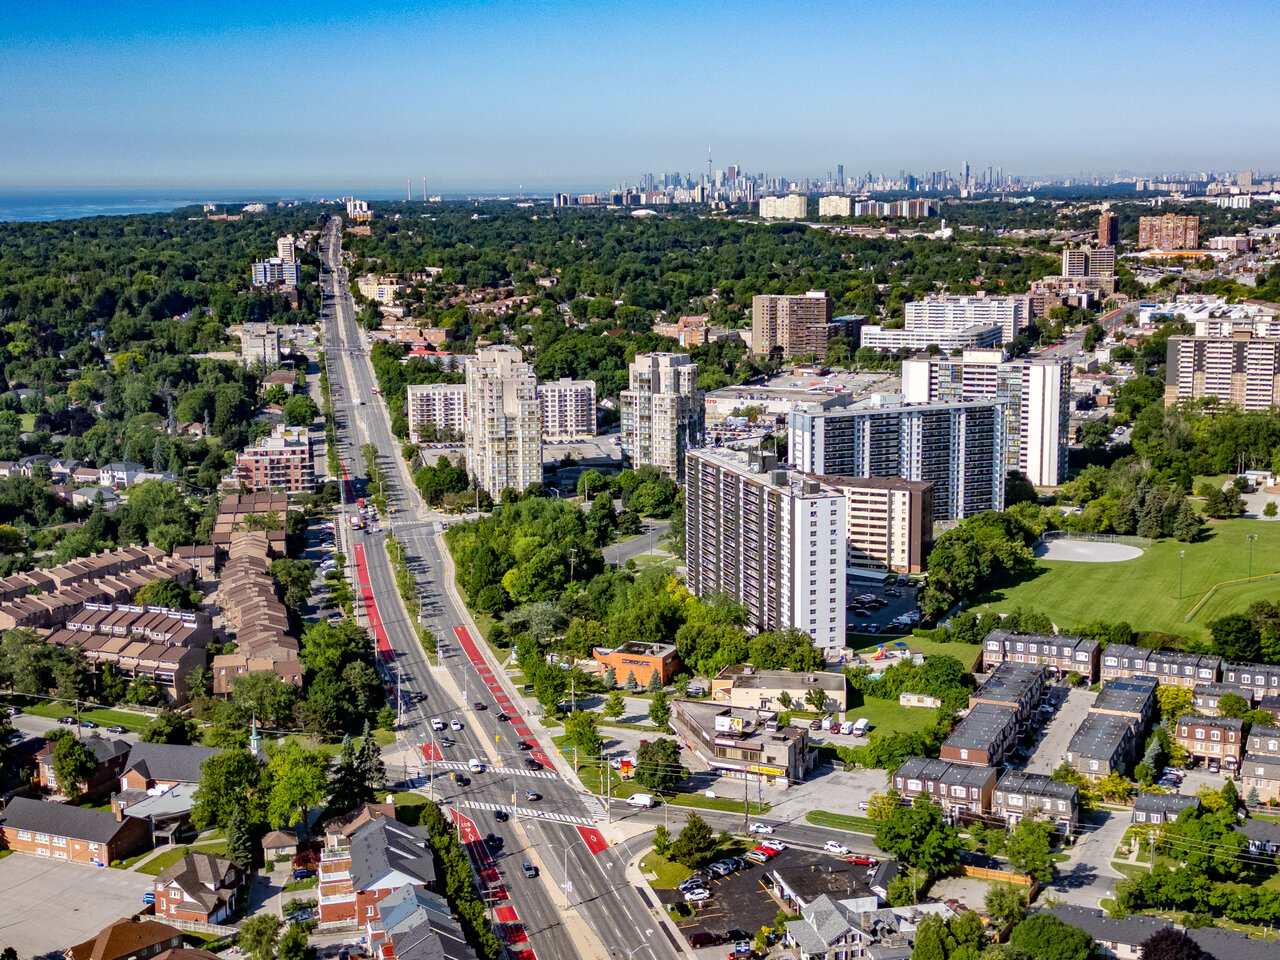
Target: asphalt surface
x=558, y=825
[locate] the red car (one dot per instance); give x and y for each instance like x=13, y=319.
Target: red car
x=863, y=860
x=767, y=852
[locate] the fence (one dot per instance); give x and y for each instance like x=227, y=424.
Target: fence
x=195, y=926
x=1050, y=535
x=1226, y=583
x=1000, y=876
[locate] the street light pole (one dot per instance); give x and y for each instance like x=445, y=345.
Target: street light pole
x=1181, y=554
x=1251, y=537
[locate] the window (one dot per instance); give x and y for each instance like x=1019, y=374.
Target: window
x=1093, y=764
x=1217, y=734
x=59, y=841
x=964, y=754
x=368, y=911
x=26, y=834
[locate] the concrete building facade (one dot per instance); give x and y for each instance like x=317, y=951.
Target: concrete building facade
x=504, y=420
x=442, y=405
x=568, y=409
x=889, y=522
x=786, y=326
x=662, y=413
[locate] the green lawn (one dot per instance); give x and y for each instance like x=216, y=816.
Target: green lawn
x=1144, y=591
x=889, y=716
x=668, y=875
x=966, y=653
x=840, y=821
x=103, y=718
x=164, y=861
x=591, y=773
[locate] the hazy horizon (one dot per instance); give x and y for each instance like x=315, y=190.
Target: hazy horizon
x=503, y=96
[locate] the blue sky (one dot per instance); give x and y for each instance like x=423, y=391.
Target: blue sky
x=362, y=95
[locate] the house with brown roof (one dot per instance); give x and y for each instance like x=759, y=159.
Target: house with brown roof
x=200, y=887
x=130, y=939
x=338, y=830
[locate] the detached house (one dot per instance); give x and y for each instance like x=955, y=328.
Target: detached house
x=383, y=856
x=128, y=940
x=109, y=753
x=200, y=887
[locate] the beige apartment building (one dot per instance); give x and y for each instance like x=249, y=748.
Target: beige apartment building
x=791, y=326
x=384, y=290
x=283, y=461
x=504, y=435
x=890, y=522
x=662, y=411
x=835, y=206
x=442, y=405
x=791, y=207
x=568, y=409
x=1242, y=369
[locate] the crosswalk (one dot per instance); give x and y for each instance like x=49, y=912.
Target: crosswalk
x=512, y=771
x=595, y=806
x=530, y=812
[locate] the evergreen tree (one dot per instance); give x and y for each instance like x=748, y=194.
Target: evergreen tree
x=373, y=774
x=615, y=706
x=611, y=678
x=655, y=682
x=659, y=709
x=346, y=788
x=239, y=839
x=631, y=681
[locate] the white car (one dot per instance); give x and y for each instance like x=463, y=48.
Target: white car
x=697, y=896
x=437, y=723
x=836, y=847
x=761, y=828
x=777, y=845
x=455, y=724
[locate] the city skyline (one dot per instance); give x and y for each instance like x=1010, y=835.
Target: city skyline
x=501, y=97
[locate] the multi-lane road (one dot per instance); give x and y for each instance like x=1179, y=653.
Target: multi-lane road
x=558, y=829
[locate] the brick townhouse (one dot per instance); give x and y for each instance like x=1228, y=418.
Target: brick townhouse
x=1019, y=795
x=984, y=736
x=65, y=832
x=1211, y=738
x=1121, y=661
x=1059, y=655
x=959, y=788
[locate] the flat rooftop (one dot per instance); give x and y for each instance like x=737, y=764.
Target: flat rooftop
x=1132, y=697
x=745, y=676
x=984, y=725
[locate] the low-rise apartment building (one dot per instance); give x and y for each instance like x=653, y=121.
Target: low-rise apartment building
x=1019, y=795
x=1207, y=696
x=743, y=743
x=743, y=685
x=1102, y=745
x=111, y=755
x=959, y=788
x=1211, y=738
x=282, y=461
x=1017, y=685
x=1158, y=808
x=637, y=661
x=415, y=924
x=1060, y=655
x=383, y=856
x=1121, y=661
x=65, y=832
x=889, y=522
x=984, y=736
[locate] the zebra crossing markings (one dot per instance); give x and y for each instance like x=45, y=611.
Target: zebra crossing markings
x=529, y=812
x=513, y=771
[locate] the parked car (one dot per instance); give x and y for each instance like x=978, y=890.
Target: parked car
x=116, y=729
x=692, y=883
x=69, y=721
x=862, y=860
x=88, y=725
x=761, y=828
x=302, y=873
x=704, y=938
x=768, y=852
x=697, y=896
x=149, y=897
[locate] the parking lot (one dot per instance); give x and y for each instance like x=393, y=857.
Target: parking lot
x=46, y=905
x=741, y=903
x=879, y=620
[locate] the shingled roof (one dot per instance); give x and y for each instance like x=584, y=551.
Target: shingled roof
x=126, y=938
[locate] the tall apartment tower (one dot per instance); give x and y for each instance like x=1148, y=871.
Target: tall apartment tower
x=957, y=447
x=504, y=420
x=1243, y=370
x=1108, y=229
x=769, y=538
x=1037, y=392
x=287, y=247
x=788, y=326
x=662, y=411
x=1085, y=262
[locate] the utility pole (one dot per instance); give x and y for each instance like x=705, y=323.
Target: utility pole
x=746, y=808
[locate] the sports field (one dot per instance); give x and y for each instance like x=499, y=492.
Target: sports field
x=1144, y=591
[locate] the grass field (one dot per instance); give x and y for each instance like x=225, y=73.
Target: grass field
x=1144, y=591
x=840, y=821
x=888, y=716
x=164, y=861
x=966, y=653
x=136, y=722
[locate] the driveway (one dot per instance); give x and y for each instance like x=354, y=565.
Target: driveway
x=1087, y=877
x=48, y=905
x=1048, y=756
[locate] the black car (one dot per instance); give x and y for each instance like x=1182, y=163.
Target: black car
x=493, y=842
x=526, y=745
x=477, y=706
x=501, y=816
x=419, y=697
x=890, y=592
x=503, y=718
x=532, y=764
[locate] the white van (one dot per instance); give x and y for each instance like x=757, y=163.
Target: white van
x=847, y=727
x=827, y=722
x=475, y=766
x=640, y=800
x=860, y=728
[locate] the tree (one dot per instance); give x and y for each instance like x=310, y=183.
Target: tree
x=1233, y=705
x=918, y=837
x=169, y=727
x=345, y=787
x=231, y=779
x=655, y=682
x=1171, y=944
x=631, y=681
x=258, y=935
x=693, y=844
x=610, y=678
x=166, y=593
x=580, y=730
x=1006, y=904
x=295, y=577
x=659, y=709
x=373, y=774
x=1236, y=638
x=298, y=783
x=882, y=806
x=300, y=410
x=1173, y=701
x=1045, y=937
x=240, y=844
x=1029, y=849
x=293, y=945
x=658, y=766
x=816, y=698
x=73, y=764
x=1269, y=510
x=615, y=706
x=931, y=939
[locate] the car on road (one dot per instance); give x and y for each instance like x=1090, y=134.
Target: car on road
x=501, y=816
x=88, y=725
x=526, y=745
x=437, y=723
x=14, y=739
x=775, y=845
x=419, y=697
x=503, y=718
x=475, y=766
x=116, y=728
x=863, y=805
x=493, y=841
x=862, y=860
x=761, y=828
x=531, y=796
x=447, y=742
x=697, y=896
x=478, y=706
x=532, y=764
x=836, y=847
x=68, y=721
x=455, y=724
x=529, y=869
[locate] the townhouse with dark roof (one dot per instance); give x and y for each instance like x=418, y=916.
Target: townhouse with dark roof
x=1060, y=655
x=959, y=788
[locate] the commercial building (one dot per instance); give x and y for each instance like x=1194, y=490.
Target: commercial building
x=1020, y=795
x=1211, y=738
x=1108, y=229
x=889, y=522
x=743, y=743
x=1103, y=744
x=1122, y=661
x=439, y=406
x=636, y=662
x=1059, y=654
x=983, y=737
x=1170, y=232
x=568, y=409
x=959, y=788
x=1037, y=394
x=662, y=412
x=1241, y=369
x=790, y=326
x=276, y=270
x=956, y=447
x=743, y=685
x=284, y=461
x=504, y=430
x=947, y=313
x=772, y=540
x=65, y=832
x=791, y=207
x=835, y=206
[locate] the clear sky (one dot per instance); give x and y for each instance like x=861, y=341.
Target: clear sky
x=363, y=94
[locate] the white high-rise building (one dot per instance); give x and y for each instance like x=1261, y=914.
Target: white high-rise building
x=1038, y=393
x=439, y=405
x=769, y=538
x=275, y=270
x=835, y=206
x=791, y=207
x=568, y=409
x=504, y=420
x=662, y=411
x=949, y=314
x=287, y=248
